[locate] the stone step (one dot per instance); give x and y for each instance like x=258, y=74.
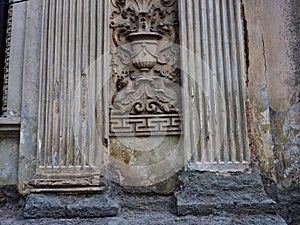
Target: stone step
x=69, y=206
x=205, y=193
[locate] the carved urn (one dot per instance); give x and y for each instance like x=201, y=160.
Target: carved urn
x=144, y=49
x=144, y=44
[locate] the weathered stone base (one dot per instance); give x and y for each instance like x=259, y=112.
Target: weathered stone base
x=10, y=199
x=235, y=193
x=156, y=219
x=212, y=199
x=69, y=206
x=289, y=205
x=203, y=198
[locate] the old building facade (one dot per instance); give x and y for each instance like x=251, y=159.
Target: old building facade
x=137, y=92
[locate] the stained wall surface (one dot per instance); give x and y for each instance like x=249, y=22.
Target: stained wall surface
x=273, y=87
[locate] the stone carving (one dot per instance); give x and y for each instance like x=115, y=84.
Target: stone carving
x=141, y=125
x=144, y=57
x=6, y=67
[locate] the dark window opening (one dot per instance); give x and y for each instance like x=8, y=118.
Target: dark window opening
x=4, y=7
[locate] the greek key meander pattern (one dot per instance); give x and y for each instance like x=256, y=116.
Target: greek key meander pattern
x=145, y=125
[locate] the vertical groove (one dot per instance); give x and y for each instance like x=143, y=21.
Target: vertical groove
x=71, y=45
x=77, y=73
x=105, y=69
x=205, y=81
x=234, y=156
x=184, y=61
x=208, y=86
x=98, y=78
x=212, y=80
x=241, y=80
x=238, y=105
x=239, y=150
x=92, y=97
x=43, y=93
x=56, y=86
x=84, y=75
x=234, y=77
x=50, y=82
x=198, y=79
x=220, y=134
x=64, y=81
x=227, y=79
x=191, y=70
x=61, y=84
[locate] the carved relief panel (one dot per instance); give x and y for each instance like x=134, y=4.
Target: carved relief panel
x=145, y=79
x=145, y=118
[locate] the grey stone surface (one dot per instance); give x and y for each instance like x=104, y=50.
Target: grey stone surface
x=30, y=93
x=289, y=205
x=16, y=59
x=69, y=206
x=135, y=208
x=273, y=87
x=157, y=218
x=259, y=128
x=9, y=147
x=8, y=193
x=210, y=193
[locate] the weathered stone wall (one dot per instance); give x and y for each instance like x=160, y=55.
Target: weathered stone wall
x=9, y=150
x=283, y=86
x=10, y=125
x=258, y=107
x=273, y=87
x=272, y=33
x=274, y=98
x=18, y=150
